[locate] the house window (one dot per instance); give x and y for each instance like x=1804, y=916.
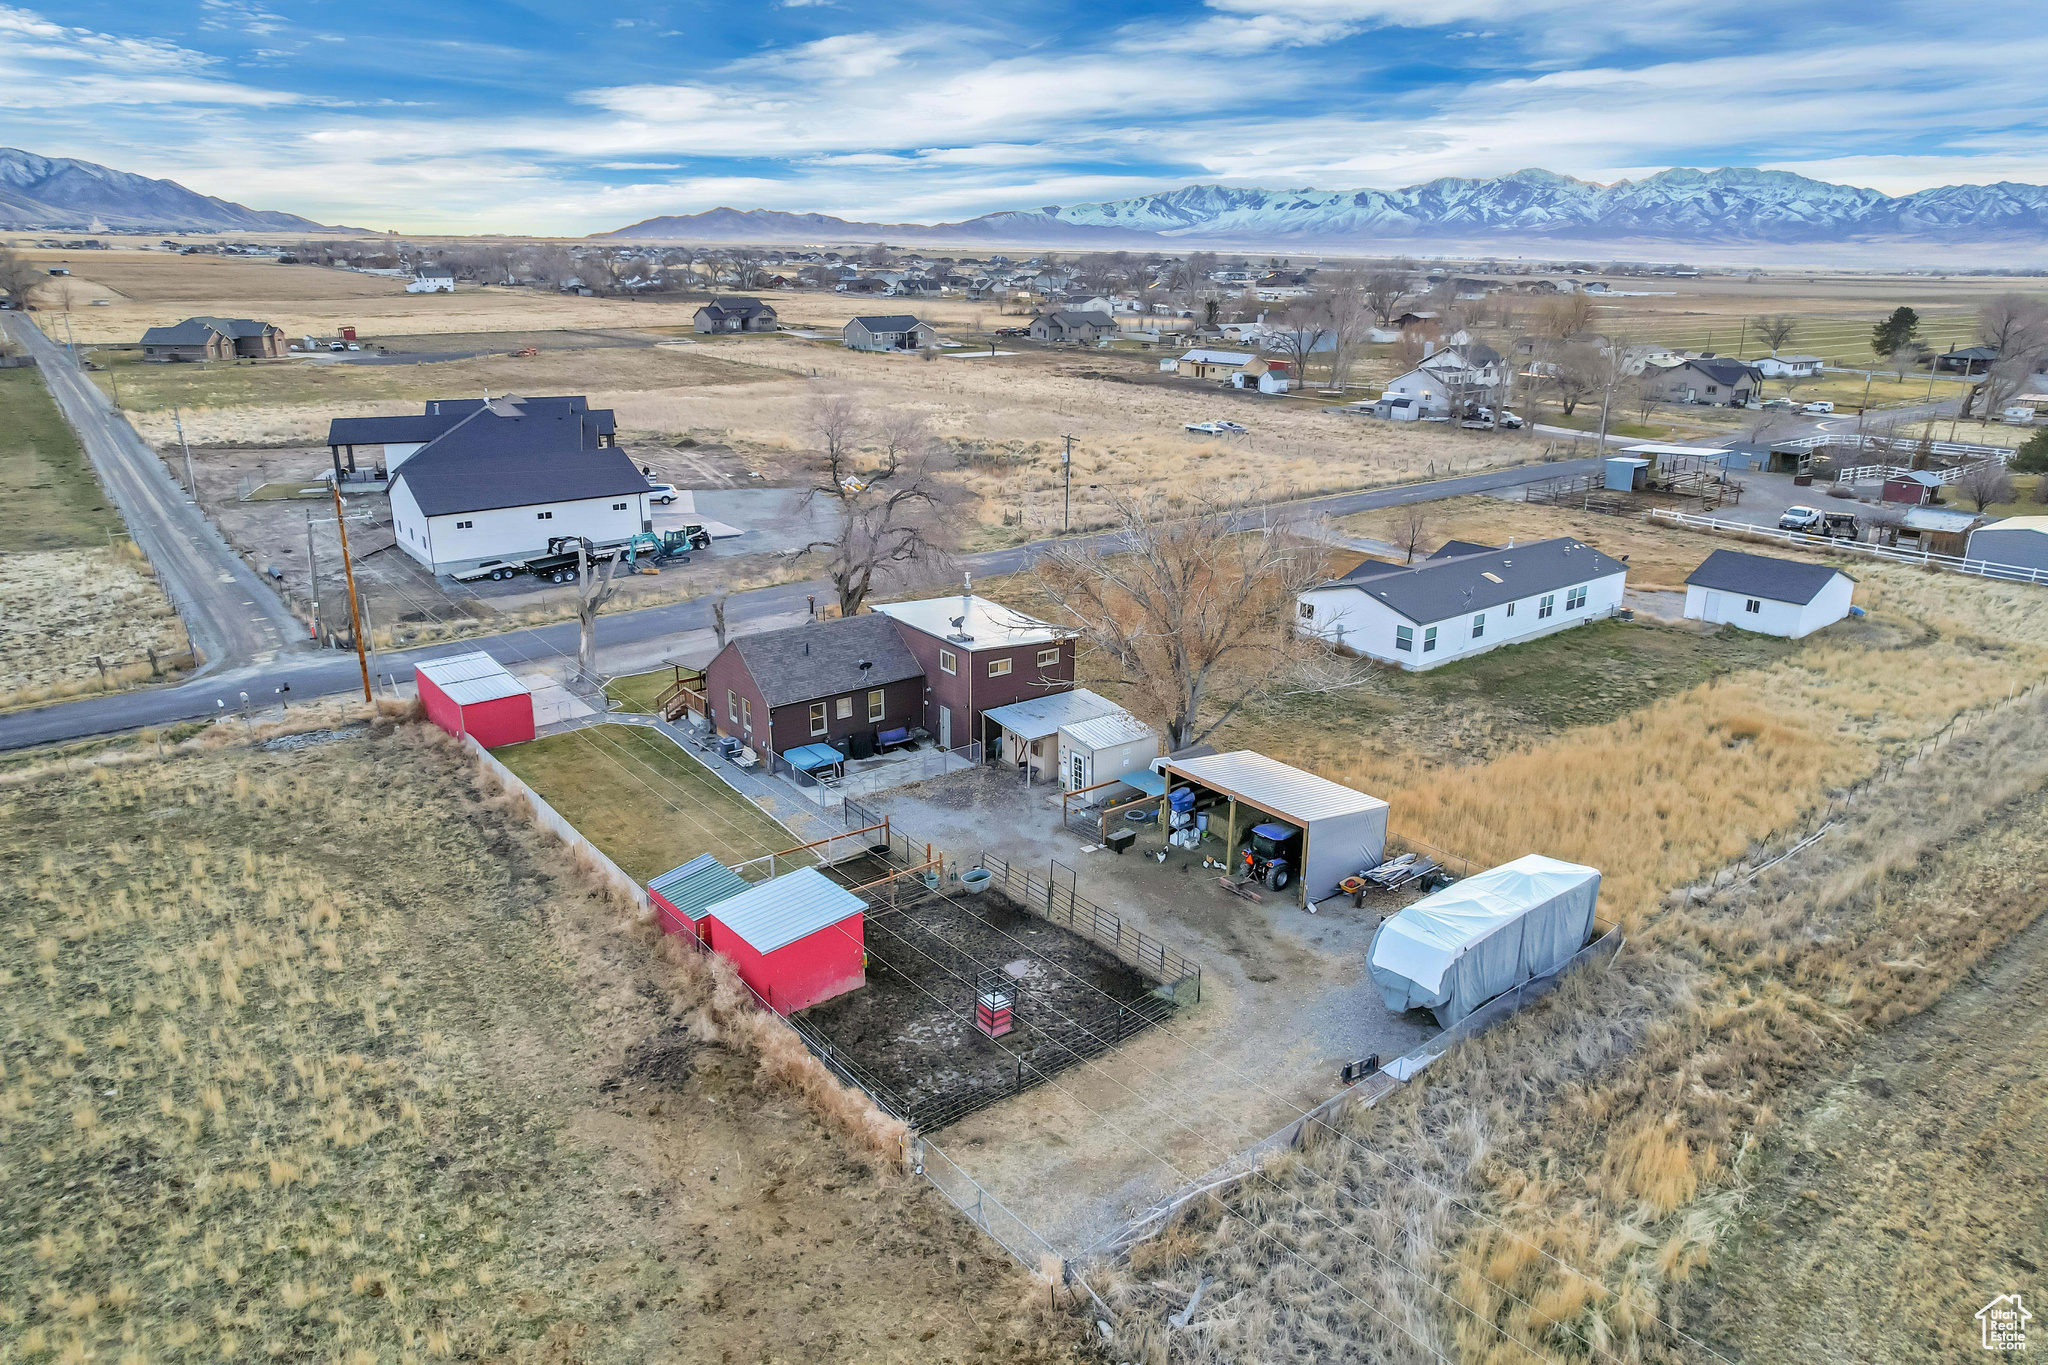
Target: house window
x=732, y=705
x=998, y=668
x=464, y=525
x=1575, y=599
x=747, y=715
x=543, y=516
x=1511, y=609
x=1429, y=639
x=1404, y=637
x=1048, y=657
x=618, y=507
x=875, y=704
x=1308, y=611
x=1753, y=607
x=947, y=663
x=1479, y=626
x=1711, y=389
x=1545, y=605
x=846, y=708
x=817, y=718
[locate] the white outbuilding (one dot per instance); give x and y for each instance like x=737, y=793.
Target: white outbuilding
x=1463, y=600
x=1343, y=830
x=1771, y=596
x=1104, y=749
x=1456, y=949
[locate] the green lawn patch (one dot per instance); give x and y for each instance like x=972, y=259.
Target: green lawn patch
x=53, y=500
x=646, y=802
x=636, y=691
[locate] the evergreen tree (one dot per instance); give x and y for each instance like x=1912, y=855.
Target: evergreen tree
x=1896, y=332
x=2032, y=457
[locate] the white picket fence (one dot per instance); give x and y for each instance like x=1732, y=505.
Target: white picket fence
x=1975, y=453
x=1978, y=568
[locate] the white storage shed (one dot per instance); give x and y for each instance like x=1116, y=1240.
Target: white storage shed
x=1771, y=596
x=1105, y=748
x=1024, y=727
x=1456, y=949
x=1343, y=831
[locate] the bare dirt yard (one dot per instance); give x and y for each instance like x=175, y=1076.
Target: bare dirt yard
x=74, y=621
x=315, y=1050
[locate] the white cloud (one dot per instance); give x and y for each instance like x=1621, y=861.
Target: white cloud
x=44, y=65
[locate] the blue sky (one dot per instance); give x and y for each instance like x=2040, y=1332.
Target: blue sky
x=564, y=118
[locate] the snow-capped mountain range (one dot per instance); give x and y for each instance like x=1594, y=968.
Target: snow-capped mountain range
x=60, y=192
x=1680, y=206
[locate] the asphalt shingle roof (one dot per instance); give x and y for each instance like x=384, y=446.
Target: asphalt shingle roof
x=1776, y=580
x=892, y=322
x=823, y=658
x=1439, y=589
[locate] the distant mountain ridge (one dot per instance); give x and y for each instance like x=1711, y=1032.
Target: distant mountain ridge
x=62, y=193
x=1677, y=207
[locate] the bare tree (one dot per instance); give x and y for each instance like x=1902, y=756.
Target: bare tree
x=1196, y=605
x=1984, y=483
x=1383, y=293
x=2013, y=323
x=591, y=596
x=1411, y=532
x=892, y=508
x=1575, y=372
x=1348, y=306
x=1775, y=330
x=718, y=603
x=1300, y=331
x=19, y=276
x=1565, y=316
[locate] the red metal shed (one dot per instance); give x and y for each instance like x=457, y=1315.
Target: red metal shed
x=472, y=694
x=796, y=939
x=681, y=894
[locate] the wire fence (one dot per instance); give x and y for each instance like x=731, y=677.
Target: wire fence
x=1059, y=903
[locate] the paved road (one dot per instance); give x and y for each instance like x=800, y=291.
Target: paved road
x=233, y=619
x=313, y=673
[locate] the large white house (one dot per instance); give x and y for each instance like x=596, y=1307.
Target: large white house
x=1770, y=596
x=432, y=279
x=1463, y=600
x=510, y=476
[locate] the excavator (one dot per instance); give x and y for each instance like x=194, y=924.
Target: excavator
x=670, y=547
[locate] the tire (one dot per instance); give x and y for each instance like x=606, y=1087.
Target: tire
x=1277, y=878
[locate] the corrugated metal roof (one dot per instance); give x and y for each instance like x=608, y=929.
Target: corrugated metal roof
x=1279, y=787
x=703, y=881
x=1106, y=732
x=774, y=914
x=1037, y=717
x=471, y=678
x=2038, y=525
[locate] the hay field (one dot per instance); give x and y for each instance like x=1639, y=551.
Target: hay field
x=266, y=1097
x=52, y=496
x=61, y=608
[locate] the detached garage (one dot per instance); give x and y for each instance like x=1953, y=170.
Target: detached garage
x=681, y=895
x=1785, y=597
x=473, y=694
x=795, y=939
x=2019, y=541
x=1343, y=831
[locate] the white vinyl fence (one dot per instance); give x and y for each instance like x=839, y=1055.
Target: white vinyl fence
x=1979, y=568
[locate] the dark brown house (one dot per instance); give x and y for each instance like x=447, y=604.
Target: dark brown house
x=818, y=683
x=978, y=655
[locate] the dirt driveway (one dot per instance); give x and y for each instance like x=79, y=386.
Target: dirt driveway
x=1285, y=1003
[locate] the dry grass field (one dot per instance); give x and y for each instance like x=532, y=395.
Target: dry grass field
x=60, y=610
x=268, y=1097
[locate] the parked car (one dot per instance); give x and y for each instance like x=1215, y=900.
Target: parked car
x=337, y=346
x=1817, y=407
x=1799, y=519
x=354, y=347
x=663, y=493
x=1777, y=405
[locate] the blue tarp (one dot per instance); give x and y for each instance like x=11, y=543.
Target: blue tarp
x=808, y=756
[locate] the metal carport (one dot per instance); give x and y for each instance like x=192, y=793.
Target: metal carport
x=1342, y=830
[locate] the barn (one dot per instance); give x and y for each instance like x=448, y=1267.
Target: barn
x=473, y=694
x=681, y=895
x=795, y=939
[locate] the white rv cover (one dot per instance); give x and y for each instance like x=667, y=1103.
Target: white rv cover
x=1453, y=951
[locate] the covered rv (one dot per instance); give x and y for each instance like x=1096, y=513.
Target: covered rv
x=1453, y=951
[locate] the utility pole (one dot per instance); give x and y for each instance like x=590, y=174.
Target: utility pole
x=1742, y=339
x=313, y=569
x=355, y=611
x=1067, y=469
x=191, y=484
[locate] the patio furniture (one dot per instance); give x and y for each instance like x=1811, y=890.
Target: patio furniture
x=890, y=739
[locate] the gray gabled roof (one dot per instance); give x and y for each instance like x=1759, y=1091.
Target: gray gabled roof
x=1439, y=589
x=823, y=658
x=478, y=479
x=736, y=308
x=1729, y=372
x=892, y=322
x=195, y=330
x=1776, y=580
x=1452, y=549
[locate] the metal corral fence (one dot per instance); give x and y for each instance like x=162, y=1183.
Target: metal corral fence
x=1979, y=568
x=1179, y=979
